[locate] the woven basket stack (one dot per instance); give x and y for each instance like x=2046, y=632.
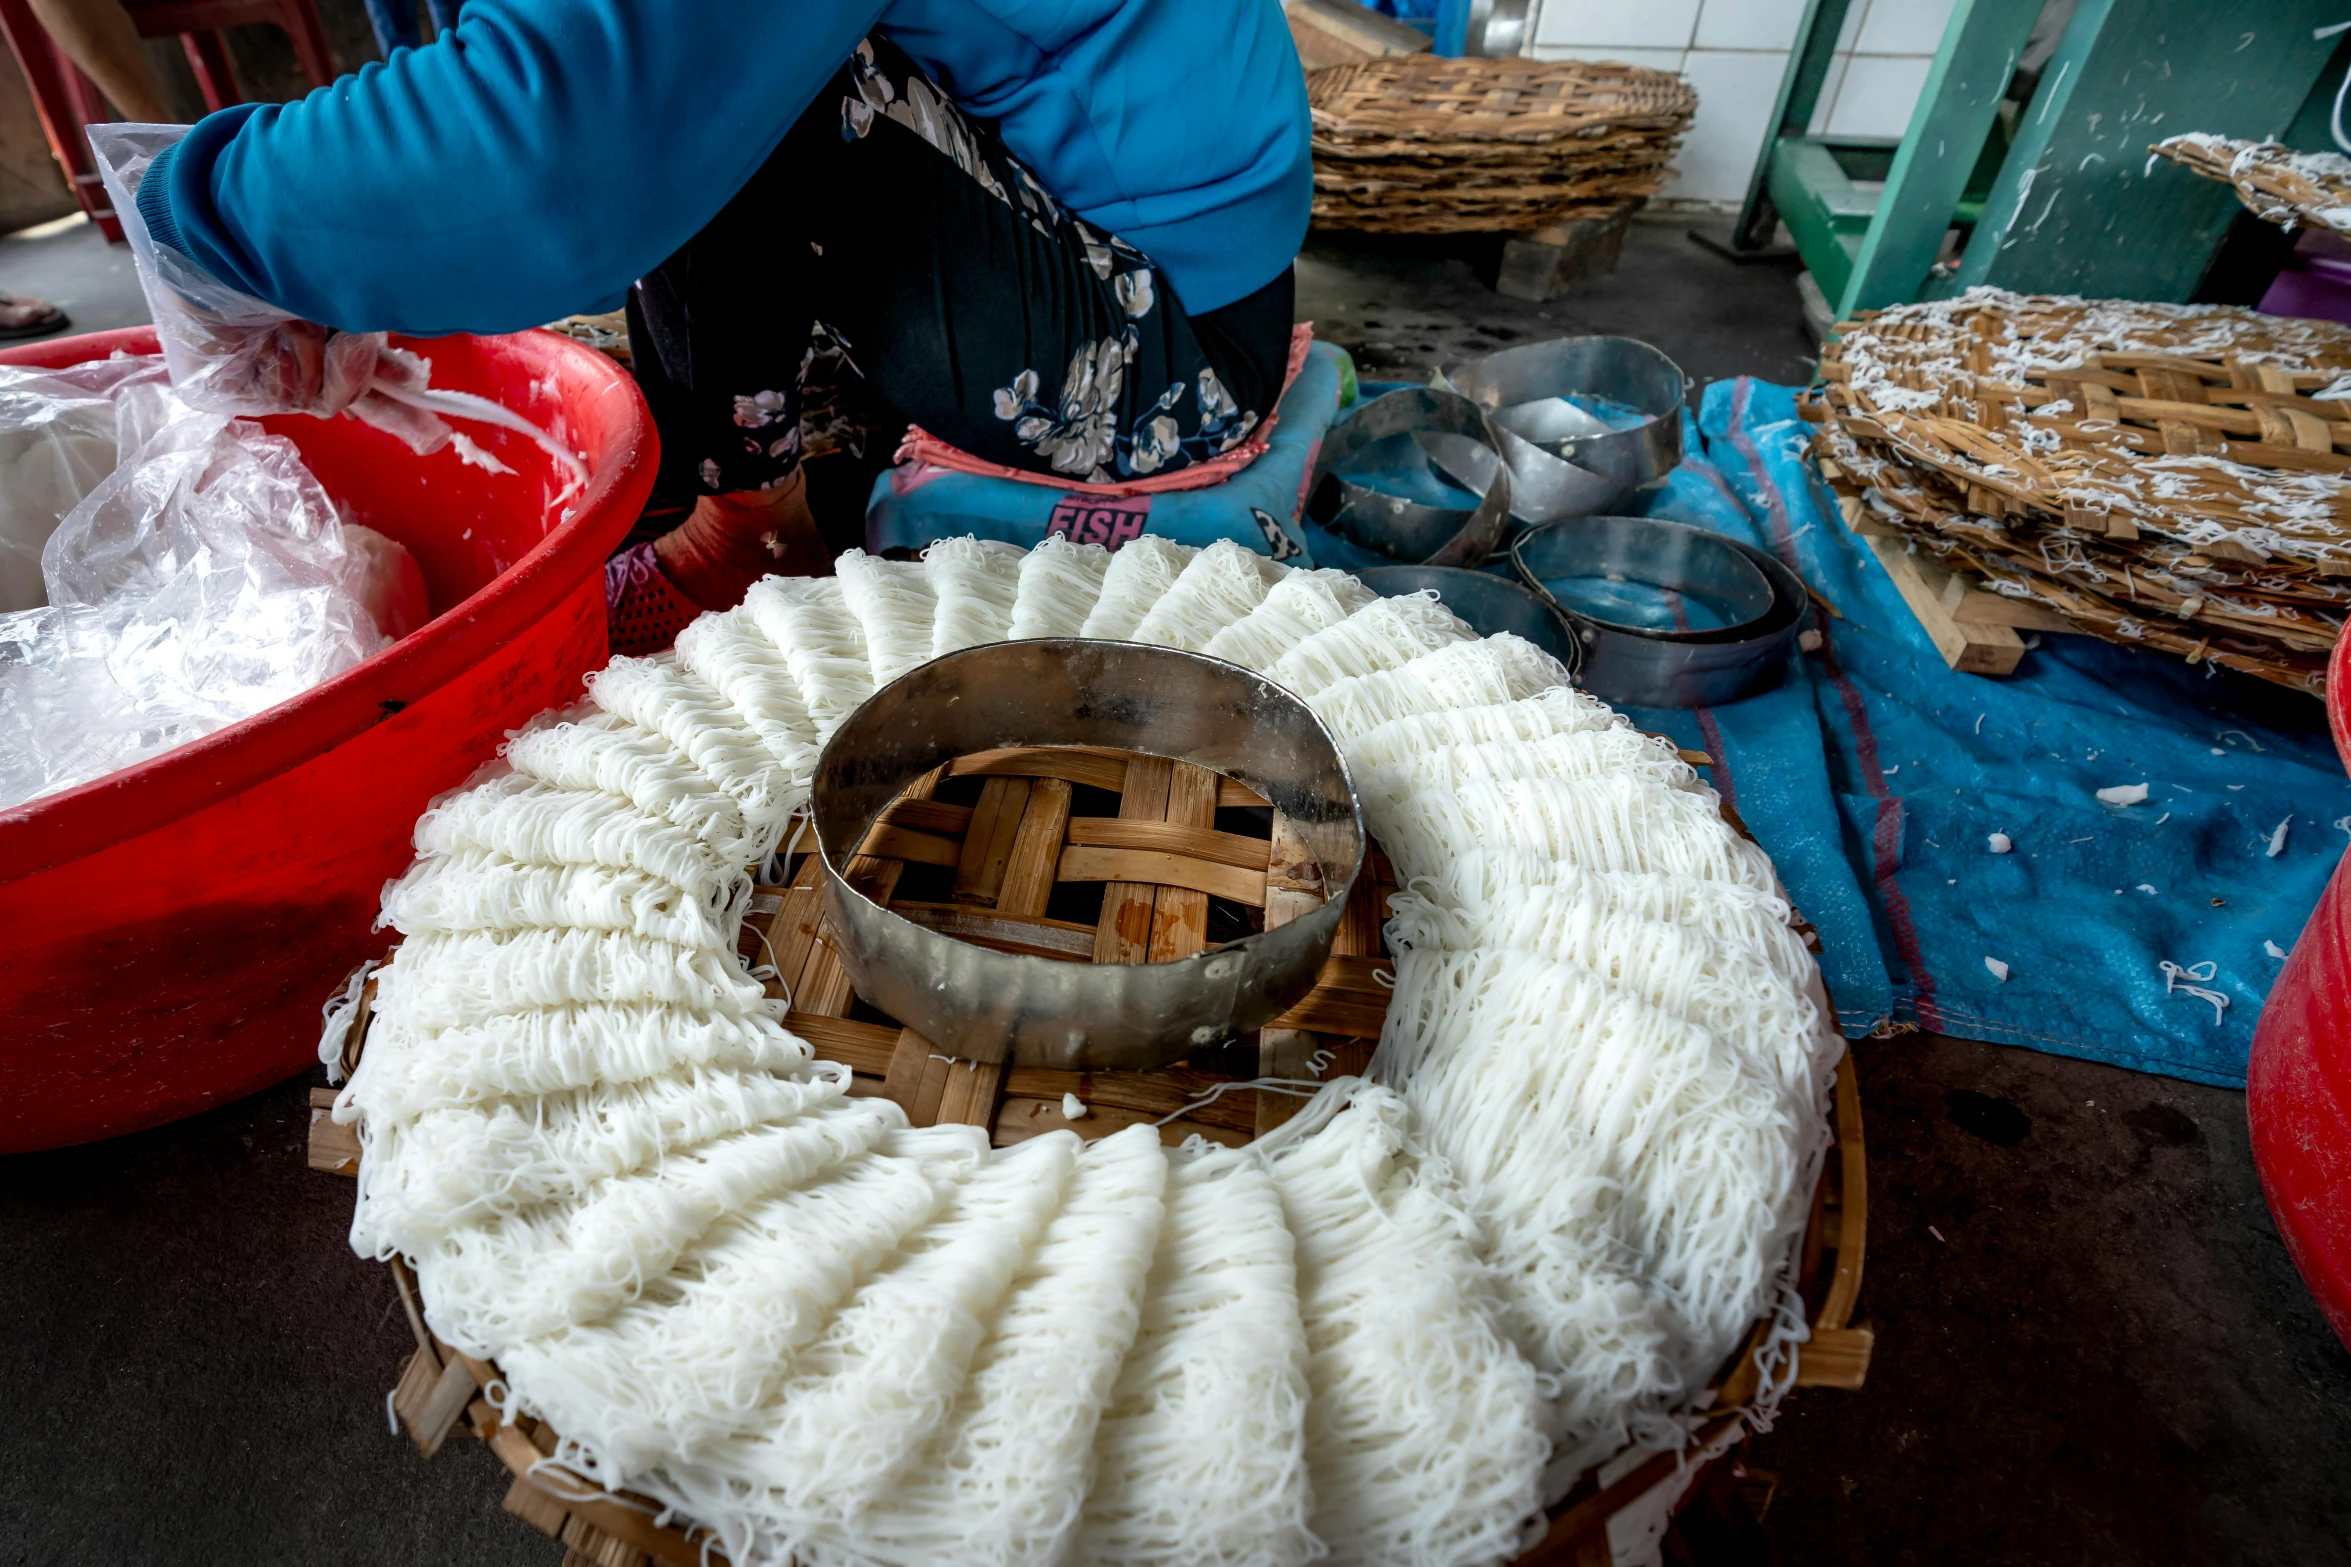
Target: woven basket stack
x=1423, y=145
x=2167, y=476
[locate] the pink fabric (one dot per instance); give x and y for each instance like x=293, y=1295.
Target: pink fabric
x=643, y=610
x=920, y=446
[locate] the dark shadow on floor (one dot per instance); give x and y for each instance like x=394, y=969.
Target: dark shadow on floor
x=2103, y=1356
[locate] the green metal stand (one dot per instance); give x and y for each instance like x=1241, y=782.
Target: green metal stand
x=2062, y=202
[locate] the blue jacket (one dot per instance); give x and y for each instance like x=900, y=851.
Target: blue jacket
x=548, y=152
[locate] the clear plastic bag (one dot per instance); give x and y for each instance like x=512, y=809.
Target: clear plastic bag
x=232, y=353
x=57, y=441
x=206, y=578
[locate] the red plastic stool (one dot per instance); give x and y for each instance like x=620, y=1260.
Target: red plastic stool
x=68, y=101
x=2298, y=1086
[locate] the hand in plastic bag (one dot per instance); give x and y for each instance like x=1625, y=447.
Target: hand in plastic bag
x=282, y=366
x=230, y=353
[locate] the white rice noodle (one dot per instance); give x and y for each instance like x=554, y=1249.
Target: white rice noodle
x=693, y=716
x=450, y=979
x=1388, y=634
x=1593, y=753
x=975, y=582
x=489, y=1288
x=514, y=1055
x=1059, y=583
x=611, y=754
x=1006, y=1479
x=522, y=819
x=1752, y=999
x=823, y=645
x=1424, y=1434
x=471, y=1164
x=1751, y=920
x=1561, y=710
x=1594, y=1135
x=477, y=891
x=894, y=604
x=864, y=1402
x=1201, y=1459
x=1502, y=668
x=1140, y=573
x=1293, y=609
x=688, y=1361
x=1222, y=583
x=1604, y=824
x=729, y=653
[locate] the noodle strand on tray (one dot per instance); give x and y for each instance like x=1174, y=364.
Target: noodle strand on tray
x=1202, y=1455
x=450, y=979
x=1006, y=1479
x=1385, y=1334
x=1424, y=1432
x=1059, y=583
x=975, y=582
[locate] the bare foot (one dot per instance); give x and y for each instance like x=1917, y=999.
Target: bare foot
x=729, y=542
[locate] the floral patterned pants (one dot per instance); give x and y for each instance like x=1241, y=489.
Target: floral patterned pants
x=892, y=226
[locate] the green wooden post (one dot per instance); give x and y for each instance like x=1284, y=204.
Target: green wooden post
x=1955, y=113
x=1800, y=84
x=2076, y=209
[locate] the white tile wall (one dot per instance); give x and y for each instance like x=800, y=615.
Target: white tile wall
x=1737, y=89
x=1734, y=53
x=1758, y=24
x=1902, y=26
x=1877, y=93
x=1639, y=24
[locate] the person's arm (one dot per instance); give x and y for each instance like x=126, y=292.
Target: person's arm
x=526, y=166
x=100, y=37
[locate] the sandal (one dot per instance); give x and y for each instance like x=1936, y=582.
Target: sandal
x=23, y=317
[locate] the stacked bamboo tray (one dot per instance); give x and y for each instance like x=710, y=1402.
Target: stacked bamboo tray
x=1082, y=855
x=2175, y=477
x=1423, y=145
x=2276, y=183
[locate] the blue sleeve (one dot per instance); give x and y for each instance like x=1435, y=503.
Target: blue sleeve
x=529, y=164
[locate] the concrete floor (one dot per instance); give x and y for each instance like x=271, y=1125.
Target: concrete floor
x=69, y=264
x=2091, y=1346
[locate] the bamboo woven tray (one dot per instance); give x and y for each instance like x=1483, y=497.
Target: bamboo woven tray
x=1421, y=144
x=2158, y=475
x=1088, y=855
x=2276, y=183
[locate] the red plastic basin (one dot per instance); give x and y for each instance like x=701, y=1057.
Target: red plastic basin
x=168, y=932
x=2298, y=1086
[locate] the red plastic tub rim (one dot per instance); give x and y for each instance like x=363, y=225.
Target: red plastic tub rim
x=57, y=828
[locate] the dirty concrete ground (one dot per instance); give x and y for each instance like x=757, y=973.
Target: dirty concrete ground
x=2091, y=1346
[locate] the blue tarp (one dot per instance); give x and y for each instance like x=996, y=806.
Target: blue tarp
x=1876, y=776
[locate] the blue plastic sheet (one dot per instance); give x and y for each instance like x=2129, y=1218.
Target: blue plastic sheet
x=1876, y=777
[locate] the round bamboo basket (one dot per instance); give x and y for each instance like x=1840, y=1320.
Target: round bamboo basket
x=1417, y=144
x=1098, y=856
